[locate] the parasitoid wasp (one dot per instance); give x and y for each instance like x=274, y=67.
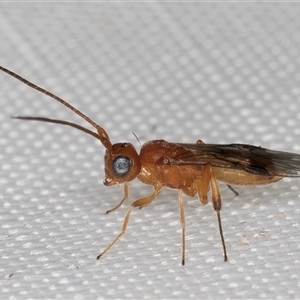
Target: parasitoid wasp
x=192, y=169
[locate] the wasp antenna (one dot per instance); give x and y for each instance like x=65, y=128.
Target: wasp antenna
x=104, y=138
x=62, y=122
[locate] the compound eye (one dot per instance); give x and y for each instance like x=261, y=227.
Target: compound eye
x=121, y=165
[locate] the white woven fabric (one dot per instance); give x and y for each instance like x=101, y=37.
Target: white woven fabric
x=220, y=72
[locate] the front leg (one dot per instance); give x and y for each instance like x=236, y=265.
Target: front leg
x=126, y=193
x=138, y=203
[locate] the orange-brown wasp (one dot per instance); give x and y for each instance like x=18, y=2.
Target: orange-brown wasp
x=193, y=169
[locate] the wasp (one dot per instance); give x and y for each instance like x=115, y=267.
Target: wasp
x=193, y=169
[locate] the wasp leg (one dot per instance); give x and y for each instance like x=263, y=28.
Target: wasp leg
x=138, y=203
x=233, y=190
x=217, y=203
x=126, y=194
x=182, y=221
x=203, y=184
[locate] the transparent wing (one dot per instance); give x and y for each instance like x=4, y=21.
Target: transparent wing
x=250, y=158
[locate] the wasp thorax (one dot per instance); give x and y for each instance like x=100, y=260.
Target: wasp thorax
x=122, y=163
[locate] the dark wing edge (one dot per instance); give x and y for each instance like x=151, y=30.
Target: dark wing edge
x=250, y=158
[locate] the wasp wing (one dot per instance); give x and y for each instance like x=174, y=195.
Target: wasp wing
x=253, y=159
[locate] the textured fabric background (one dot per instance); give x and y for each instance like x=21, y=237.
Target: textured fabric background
x=220, y=72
